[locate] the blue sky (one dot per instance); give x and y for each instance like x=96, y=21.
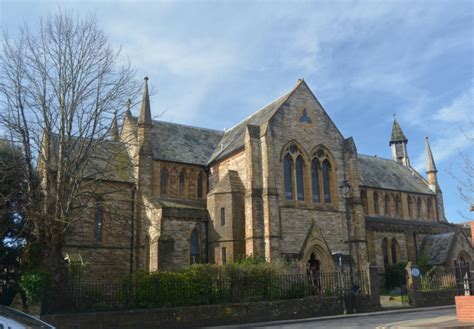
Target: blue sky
x=212, y=63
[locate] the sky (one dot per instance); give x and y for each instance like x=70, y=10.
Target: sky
x=213, y=63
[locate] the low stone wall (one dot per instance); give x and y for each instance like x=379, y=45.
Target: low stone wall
x=195, y=316
x=438, y=298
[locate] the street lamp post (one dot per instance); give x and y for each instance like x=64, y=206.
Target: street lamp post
x=346, y=193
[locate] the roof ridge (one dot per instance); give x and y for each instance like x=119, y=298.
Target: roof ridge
x=376, y=157
x=287, y=94
x=183, y=125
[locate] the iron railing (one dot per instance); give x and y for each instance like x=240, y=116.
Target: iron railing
x=464, y=279
x=81, y=295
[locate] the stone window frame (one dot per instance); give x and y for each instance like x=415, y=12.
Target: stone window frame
x=194, y=238
x=183, y=186
x=98, y=219
x=398, y=205
x=294, y=150
x=223, y=216
x=375, y=196
x=364, y=201
x=385, y=256
x=223, y=255
x=395, y=251
x=191, y=174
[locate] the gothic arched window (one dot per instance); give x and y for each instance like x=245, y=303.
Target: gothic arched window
x=398, y=206
x=194, y=247
x=182, y=183
x=363, y=198
x=410, y=207
x=288, y=164
x=386, y=205
x=327, y=181
x=164, y=181
x=385, y=251
x=315, y=181
x=376, y=203
x=418, y=208
x=199, y=187
x=429, y=205
x=299, y=178
x=395, y=251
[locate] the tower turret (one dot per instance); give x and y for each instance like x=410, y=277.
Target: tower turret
x=398, y=143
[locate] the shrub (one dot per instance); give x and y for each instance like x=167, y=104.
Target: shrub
x=395, y=275
x=36, y=284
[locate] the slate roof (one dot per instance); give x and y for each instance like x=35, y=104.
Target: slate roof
x=397, y=133
x=437, y=247
x=231, y=182
x=108, y=160
x=388, y=174
x=233, y=138
x=181, y=143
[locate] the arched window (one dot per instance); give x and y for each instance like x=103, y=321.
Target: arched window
x=299, y=178
x=99, y=215
x=164, y=181
x=386, y=205
x=395, y=251
x=418, y=208
x=288, y=164
x=326, y=181
x=182, y=183
x=363, y=199
x=199, y=187
x=315, y=181
x=410, y=207
x=398, y=206
x=385, y=251
x=429, y=205
x=376, y=203
x=194, y=247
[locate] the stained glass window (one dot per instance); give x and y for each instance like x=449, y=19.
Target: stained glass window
x=288, y=164
x=199, y=187
x=315, y=180
x=326, y=181
x=299, y=178
x=164, y=181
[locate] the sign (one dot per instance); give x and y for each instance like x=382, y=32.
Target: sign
x=415, y=272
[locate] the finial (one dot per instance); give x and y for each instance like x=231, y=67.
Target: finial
x=129, y=104
x=145, y=78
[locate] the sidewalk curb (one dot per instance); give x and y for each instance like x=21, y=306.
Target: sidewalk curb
x=339, y=316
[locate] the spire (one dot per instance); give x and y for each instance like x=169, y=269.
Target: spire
x=128, y=113
x=398, y=144
x=397, y=133
x=144, y=118
x=430, y=164
x=114, y=133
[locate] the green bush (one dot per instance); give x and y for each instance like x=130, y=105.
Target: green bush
x=395, y=275
x=36, y=284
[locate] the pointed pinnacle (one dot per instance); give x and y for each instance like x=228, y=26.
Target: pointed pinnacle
x=145, y=111
x=114, y=132
x=430, y=164
x=397, y=133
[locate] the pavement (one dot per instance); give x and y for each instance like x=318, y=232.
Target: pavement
x=428, y=317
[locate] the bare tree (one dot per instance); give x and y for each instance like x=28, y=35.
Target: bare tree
x=60, y=86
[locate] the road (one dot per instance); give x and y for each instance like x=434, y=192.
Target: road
x=373, y=320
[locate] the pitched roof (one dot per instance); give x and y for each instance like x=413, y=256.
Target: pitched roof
x=108, y=160
x=233, y=138
x=231, y=182
x=397, y=133
x=181, y=143
x=388, y=174
x=437, y=247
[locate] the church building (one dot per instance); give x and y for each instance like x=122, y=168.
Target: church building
x=283, y=183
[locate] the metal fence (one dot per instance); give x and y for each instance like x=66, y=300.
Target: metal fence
x=156, y=292
x=439, y=278
x=464, y=279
